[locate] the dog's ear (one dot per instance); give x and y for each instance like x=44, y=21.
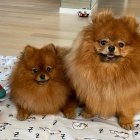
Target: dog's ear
x=102, y=17
x=51, y=48
x=28, y=51
x=130, y=22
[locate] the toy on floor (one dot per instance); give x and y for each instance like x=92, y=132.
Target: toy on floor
x=2, y=92
x=83, y=14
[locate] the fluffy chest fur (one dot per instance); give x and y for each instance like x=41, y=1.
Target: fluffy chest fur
x=40, y=99
x=105, y=87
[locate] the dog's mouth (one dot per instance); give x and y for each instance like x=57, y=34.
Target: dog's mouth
x=110, y=57
x=42, y=82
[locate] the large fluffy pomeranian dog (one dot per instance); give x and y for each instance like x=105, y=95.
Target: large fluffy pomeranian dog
x=38, y=83
x=104, y=67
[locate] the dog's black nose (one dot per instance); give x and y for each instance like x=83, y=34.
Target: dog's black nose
x=111, y=48
x=42, y=76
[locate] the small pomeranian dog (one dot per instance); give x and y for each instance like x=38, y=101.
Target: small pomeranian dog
x=38, y=83
x=104, y=67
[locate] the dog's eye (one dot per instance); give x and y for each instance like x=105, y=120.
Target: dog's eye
x=121, y=44
x=35, y=70
x=103, y=42
x=49, y=69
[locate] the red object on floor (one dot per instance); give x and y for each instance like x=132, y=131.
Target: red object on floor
x=83, y=14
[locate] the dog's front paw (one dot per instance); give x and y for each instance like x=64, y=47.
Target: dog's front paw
x=21, y=115
x=70, y=115
x=126, y=123
x=128, y=126
x=86, y=114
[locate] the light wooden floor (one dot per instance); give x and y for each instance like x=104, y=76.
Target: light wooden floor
x=35, y=22
x=38, y=22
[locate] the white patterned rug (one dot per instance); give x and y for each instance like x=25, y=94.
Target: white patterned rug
x=55, y=127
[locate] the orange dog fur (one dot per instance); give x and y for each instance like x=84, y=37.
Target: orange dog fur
x=38, y=83
x=104, y=67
